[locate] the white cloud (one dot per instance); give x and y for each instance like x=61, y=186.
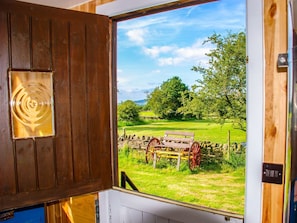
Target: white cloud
x=172, y=55
x=141, y=23
x=137, y=35
x=169, y=61
x=155, y=51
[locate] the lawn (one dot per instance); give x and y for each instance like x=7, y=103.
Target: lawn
x=204, y=130
x=220, y=187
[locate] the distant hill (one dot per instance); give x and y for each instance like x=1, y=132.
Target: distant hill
x=141, y=102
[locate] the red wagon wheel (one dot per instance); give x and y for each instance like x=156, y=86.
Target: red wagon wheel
x=194, y=156
x=149, y=153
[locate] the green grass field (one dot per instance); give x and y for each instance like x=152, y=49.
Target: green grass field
x=222, y=189
x=215, y=187
x=204, y=130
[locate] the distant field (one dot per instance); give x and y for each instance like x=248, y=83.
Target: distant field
x=204, y=130
x=147, y=114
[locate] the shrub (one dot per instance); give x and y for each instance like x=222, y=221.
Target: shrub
x=128, y=111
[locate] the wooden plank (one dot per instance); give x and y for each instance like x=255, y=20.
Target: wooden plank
x=174, y=145
x=26, y=166
x=97, y=119
x=178, y=140
x=79, y=101
x=63, y=145
x=41, y=52
x=275, y=40
x=7, y=170
x=55, y=213
x=104, y=147
x=180, y=133
x=45, y=163
x=20, y=42
x=93, y=80
x=86, y=7
x=90, y=6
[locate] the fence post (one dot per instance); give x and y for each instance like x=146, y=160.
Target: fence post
x=229, y=145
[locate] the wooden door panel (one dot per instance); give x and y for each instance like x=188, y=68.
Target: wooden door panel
x=75, y=47
x=63, y=144
x=7, y=182
x=45, y=163
x=41, y=57
x=79, y=101
x=26, y=165
x=20, y=41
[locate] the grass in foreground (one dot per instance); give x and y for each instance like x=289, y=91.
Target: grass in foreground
x=222, y=189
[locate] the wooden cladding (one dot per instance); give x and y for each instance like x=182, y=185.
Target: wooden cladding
x=76, y=48
x=275, y=39
x=90, y=6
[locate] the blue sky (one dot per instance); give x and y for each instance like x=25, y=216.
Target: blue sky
x=154, y=48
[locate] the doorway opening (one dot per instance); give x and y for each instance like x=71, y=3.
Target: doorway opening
x=165, y=64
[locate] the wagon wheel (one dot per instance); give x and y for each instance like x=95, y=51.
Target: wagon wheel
x=149, y=153
x=194, y=156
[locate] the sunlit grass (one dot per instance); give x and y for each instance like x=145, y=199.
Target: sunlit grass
x=219, y=189
x=204, y=130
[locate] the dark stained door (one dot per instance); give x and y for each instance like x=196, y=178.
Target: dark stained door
x=74, y=46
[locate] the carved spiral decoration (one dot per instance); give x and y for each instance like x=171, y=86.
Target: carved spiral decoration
x=31, y=103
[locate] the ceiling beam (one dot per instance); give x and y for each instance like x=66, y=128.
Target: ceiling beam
x=90, y=6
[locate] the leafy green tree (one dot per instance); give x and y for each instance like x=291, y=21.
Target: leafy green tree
x=192, y=105
x=165, y=100
x=222, y=89
x=128, y=111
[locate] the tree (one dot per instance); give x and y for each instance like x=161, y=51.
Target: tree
x=166, y=99
x=128, y=111
x=223, y=85
x=192, y=105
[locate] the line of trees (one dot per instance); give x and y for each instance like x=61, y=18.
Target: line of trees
x=220, y=93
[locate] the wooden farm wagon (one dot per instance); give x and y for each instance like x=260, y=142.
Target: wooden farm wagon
x=175, y=145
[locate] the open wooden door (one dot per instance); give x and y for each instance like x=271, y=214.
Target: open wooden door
x=76, y=158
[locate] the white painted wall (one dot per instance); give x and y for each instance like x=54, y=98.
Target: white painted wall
x=117, y=206
x=255, y=111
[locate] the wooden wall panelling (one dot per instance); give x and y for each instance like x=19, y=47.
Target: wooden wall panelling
x=7, y=167
x=61, y=68
x=275, y=42
x=55, y=213
x=79, y=104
